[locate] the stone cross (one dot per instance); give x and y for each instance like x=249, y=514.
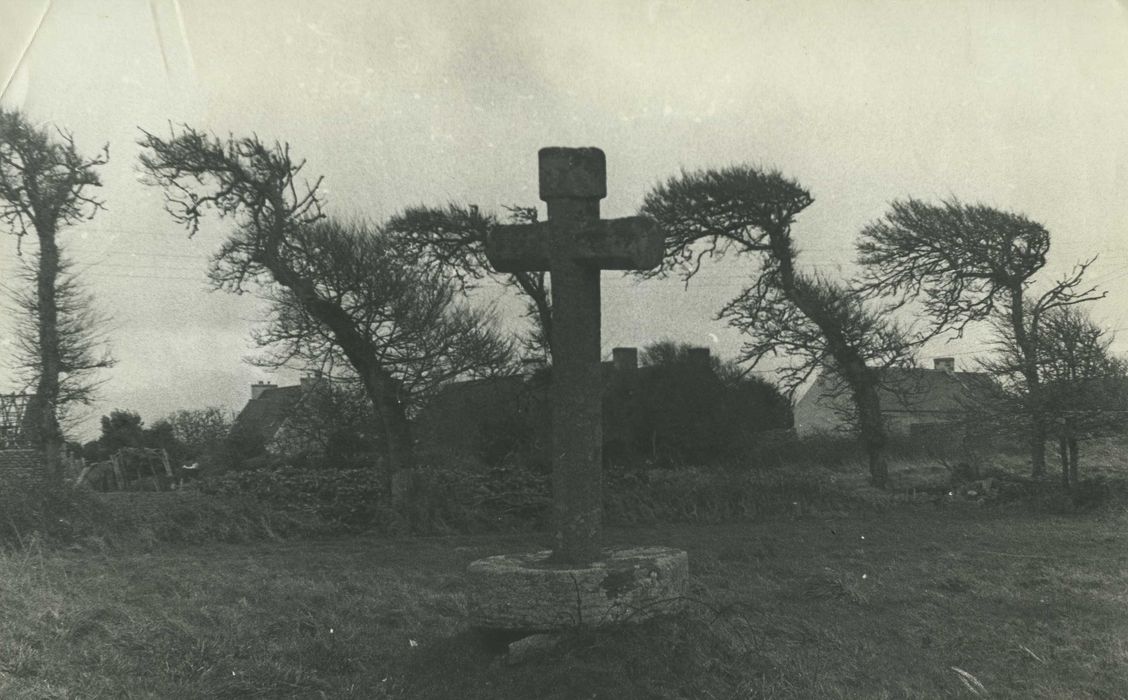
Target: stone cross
x=573, y=246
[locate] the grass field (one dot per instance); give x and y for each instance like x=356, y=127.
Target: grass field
x=880, y=605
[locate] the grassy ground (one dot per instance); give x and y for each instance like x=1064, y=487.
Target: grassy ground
x=881, y=605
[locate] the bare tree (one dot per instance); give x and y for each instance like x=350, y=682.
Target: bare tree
x=44, y=184
x=822, y=325
x=454, y=239
x=200, y=430
x=1084, y=386
x=968, y=263
x=334, y=288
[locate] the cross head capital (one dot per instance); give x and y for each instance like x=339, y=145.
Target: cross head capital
x=577, y=175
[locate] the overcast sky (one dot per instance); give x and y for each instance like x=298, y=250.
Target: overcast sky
x=1021, y=105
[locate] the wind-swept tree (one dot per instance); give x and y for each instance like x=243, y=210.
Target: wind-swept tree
x=409, y=313
x=967, y=263
x=44, y=188
x=822, y=325
x=333, y=287
x=453, y=239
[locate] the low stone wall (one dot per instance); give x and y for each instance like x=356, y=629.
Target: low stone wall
x=147, y=506
x=20, y=471
x=526, y=592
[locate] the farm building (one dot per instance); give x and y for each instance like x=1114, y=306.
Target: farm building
x=913, y=400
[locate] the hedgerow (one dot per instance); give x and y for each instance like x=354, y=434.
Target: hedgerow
x=440, y=500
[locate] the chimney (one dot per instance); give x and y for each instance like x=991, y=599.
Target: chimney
x=257, y=389
x=624, y=359
x=698, y=357
x=944, y=364
x=310, y=381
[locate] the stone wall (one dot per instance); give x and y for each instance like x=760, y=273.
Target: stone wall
x=147, y=506
x=20, y=471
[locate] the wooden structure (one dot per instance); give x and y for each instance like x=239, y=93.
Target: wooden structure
x=14, y=433
x=131, y=469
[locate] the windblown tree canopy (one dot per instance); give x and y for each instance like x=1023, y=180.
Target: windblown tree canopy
x=820, y=324
x=44, y=187
x=453, y=240
x=708, y=214
x=967, y=263
x=335, y=289
x=776, y=327
x=960, y=262
x=410, y=313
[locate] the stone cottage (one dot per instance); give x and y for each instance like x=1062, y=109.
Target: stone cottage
x=265, y=417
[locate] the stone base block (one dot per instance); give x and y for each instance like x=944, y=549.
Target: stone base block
x=527, y=593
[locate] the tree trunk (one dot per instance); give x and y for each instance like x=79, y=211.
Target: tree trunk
x=863, y=382
x=878, y=467
x=1074, y=457
x=399, y=444
x=1028, y=347
x=1063, y=456
x=1037, y=447
x=47, y=389
x=380, y=386
x=1068, y=448
x=871, y=427
x=401, y=454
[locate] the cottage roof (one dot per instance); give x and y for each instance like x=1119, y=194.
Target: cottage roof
x=264, y=415
x=932, y=391
x=916, y=390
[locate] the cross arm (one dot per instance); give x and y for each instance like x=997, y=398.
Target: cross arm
x=631, y=243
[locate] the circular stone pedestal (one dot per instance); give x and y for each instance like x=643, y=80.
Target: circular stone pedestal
x=527, y=593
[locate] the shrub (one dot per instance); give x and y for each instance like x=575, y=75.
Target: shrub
x=441, y=500
x=695, y=495
x=500, y=498
x=59, y=514
x=348, y=498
